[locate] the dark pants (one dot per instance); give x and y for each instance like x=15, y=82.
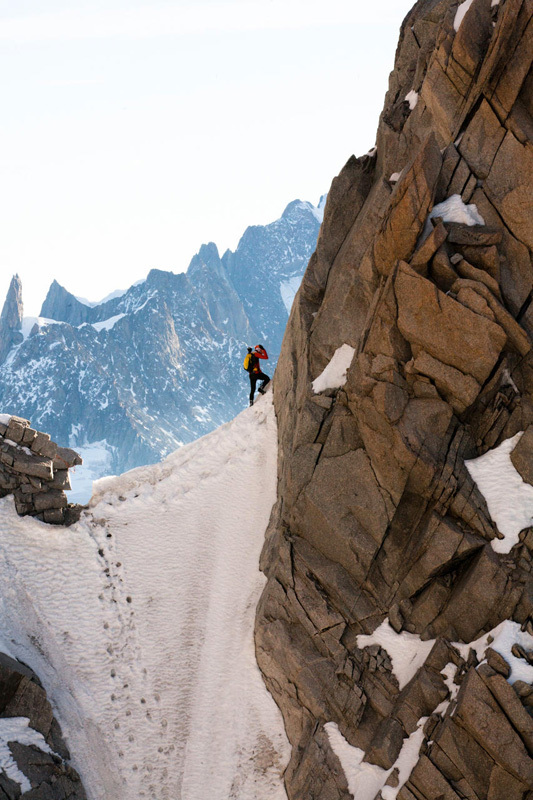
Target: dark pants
x=254, y=377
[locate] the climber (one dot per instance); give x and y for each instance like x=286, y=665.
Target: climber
x=251, y=365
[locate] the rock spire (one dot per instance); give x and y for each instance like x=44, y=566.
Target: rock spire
x=11, y=318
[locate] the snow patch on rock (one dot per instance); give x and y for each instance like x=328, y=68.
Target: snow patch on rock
x=502, y=638
x=334, y=375
x=460, y=14
x=366, y=780
x=406, y=650
x=454, y=210
x=17, y=729
x=406, y=761
x=508, y=497
x=412, y=99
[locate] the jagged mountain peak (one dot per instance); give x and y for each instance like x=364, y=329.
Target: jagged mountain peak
x=63, y=306
x=209, y=251
x=206, y=257
x=11, y=318
x=12, y=310
x=160, y=279
x=296, y=208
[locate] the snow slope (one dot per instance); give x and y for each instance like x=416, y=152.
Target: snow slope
x=139, y=621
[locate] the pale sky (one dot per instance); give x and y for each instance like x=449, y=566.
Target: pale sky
x=135, y=131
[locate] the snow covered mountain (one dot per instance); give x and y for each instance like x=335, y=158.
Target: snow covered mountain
x=130, y=379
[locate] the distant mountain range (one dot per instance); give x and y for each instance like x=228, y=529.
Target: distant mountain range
x=130, y=379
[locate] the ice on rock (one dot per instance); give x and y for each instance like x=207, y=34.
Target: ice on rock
x=334, y=375
x=139, y=621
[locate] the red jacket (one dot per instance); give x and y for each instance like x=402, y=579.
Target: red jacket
x=255, y=355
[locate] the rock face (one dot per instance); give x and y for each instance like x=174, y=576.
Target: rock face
x=423, y=266
x=160, y=365
x=35, y=470
x=34, y=756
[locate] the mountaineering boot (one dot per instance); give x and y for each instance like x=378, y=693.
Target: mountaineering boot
x=260, y=390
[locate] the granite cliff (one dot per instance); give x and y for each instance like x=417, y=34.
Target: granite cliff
x=396, y=628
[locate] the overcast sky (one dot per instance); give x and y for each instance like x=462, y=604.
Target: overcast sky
x=133, y=132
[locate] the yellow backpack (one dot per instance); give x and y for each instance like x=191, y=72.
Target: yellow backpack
x=248, y=363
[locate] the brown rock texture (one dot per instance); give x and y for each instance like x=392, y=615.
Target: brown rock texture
x=35, y=470
x=47, y=770
x=377, y=516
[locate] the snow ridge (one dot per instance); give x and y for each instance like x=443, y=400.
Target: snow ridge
x=139, y=621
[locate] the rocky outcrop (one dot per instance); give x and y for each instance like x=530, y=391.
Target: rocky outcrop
x=381, y=543
x=35, y=470
x=11, y=318
x=34, y=757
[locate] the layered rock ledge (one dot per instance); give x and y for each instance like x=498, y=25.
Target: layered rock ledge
x=396, y=628
x=36, y=471
x=34, y=757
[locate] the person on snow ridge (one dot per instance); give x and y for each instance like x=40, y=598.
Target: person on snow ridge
x=251, y=365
